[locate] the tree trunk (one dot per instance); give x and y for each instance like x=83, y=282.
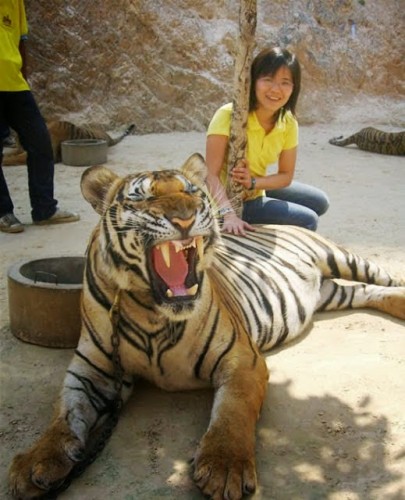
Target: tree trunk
x=243, y=61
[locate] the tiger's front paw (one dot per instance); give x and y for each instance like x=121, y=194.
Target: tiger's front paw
x=224, y=469
x=44, y=467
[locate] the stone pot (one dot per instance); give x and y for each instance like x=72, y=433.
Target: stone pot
x=84, y=152
x=44, y=300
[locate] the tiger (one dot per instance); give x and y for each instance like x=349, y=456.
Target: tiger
x=375, y=141
x=187, y=306
x=60, y=131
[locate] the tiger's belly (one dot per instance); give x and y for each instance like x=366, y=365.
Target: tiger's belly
x=166, y=365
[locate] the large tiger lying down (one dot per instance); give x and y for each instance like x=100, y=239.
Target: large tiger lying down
x=187, y=307
x=60, y=131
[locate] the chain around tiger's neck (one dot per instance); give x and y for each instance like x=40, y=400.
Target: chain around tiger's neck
x=173, y=332
x=115, y=343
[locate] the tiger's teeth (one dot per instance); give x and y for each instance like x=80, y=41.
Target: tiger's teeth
x=178, y=246
x=200, y=246
x=164, y=248
x=169, y=293
x=192, y=290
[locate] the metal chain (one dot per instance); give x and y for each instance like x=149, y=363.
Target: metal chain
x=115, y=343
x=104, y=434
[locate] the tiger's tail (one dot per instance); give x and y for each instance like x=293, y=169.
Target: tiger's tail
x=126, y=132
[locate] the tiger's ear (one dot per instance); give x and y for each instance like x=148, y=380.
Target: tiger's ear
x=96, y=183
x=195, y=169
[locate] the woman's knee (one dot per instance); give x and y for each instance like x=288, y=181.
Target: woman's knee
x=322, y=203
x=304, y=217
x=312, y=222
x=302, y=194
x=316, y=200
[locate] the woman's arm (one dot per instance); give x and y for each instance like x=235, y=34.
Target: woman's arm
x=216, y=150
x=283, y=178
x=215, y=154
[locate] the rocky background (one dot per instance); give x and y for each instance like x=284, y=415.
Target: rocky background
x=166, y=65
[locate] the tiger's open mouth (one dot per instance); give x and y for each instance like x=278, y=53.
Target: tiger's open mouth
x=173, y=265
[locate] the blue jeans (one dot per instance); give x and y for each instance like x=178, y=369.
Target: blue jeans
x=298, y=204
x=19, y=111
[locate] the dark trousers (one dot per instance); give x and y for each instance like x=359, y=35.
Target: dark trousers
x=19, y=111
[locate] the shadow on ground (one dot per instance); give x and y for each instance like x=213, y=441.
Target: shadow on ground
x=310, y=448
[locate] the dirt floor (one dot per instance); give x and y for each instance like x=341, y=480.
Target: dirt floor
x=333, y=424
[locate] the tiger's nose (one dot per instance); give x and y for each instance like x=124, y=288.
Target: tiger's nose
x=183, y=223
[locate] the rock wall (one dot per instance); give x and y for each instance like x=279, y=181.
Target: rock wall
x=168, y=64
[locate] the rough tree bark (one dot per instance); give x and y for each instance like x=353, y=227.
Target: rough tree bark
x=241, y=87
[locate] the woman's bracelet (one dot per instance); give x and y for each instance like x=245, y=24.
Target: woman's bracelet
x=224, y=211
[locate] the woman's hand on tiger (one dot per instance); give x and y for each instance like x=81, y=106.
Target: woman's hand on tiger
x=241, y=174
x=234, y=225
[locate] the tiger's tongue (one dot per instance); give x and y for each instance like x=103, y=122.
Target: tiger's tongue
x=175, y=275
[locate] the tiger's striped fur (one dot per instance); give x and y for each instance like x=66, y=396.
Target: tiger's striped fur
x=375, y=141
x=196, y=308
x=60, y=131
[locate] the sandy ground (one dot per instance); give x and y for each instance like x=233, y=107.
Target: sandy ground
x=333, y=424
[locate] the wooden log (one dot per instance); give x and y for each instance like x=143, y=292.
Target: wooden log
x=241, y=88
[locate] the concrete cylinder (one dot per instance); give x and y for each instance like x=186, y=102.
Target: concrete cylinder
x=84, y=152
x=44, y=300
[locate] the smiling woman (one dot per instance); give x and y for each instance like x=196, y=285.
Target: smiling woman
x=272, y=137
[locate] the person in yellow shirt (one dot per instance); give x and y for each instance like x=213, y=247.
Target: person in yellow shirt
x=272, y=138
x=19, y=111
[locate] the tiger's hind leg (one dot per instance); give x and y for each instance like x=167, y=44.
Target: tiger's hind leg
x=388, y=299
